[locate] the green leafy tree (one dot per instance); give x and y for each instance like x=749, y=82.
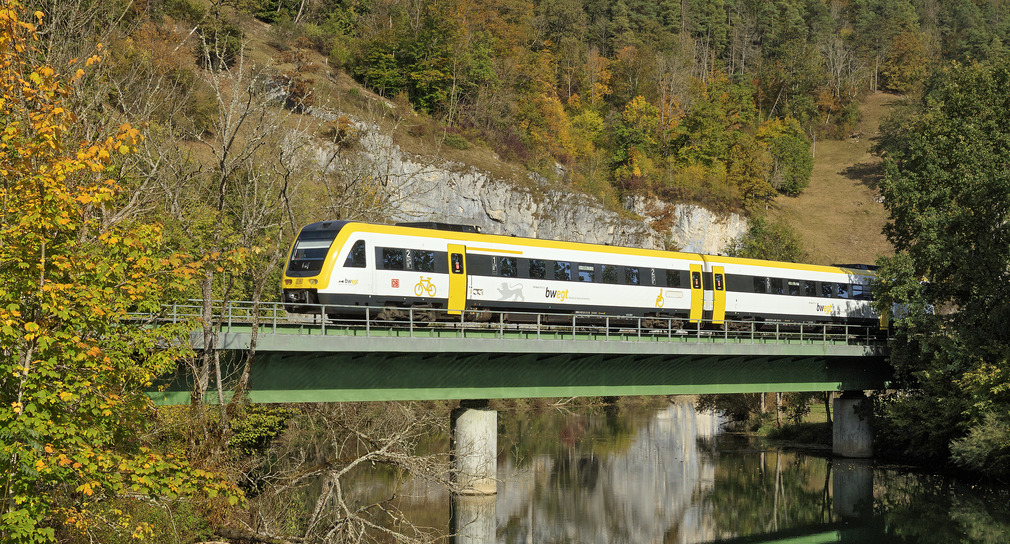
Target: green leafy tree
x=792, y=162
x=947, y=188
x=73, y=363
x=772, y=241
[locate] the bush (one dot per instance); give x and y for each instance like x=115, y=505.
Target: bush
x=763, y=240
x=219, y=45
x=986, y=449
x=456, y=141
x=184, y=10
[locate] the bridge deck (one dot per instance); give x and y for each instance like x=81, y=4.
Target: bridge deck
x=301, y=360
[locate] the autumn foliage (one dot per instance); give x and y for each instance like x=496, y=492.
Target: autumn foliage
x=72, y=365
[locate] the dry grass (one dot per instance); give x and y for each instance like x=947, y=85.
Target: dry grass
x=837, y=216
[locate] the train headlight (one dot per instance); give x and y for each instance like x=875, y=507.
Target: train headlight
x=313, y=282
x=287, y=282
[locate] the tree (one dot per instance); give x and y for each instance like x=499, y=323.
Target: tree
x=792, y=162
x=773, y=241
x=73, y=359
x=947, y=188
x=875, y=24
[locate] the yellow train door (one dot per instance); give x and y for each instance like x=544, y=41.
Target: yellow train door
x=457, y=279
x=719, y=292
x=697, y=293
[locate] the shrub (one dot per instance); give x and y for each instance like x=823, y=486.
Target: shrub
x=456, y=141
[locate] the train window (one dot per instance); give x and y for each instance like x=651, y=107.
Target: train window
x=810, y=288
x=609, y=273
x=538, y=270
x=509, y=268
x=695, y=280
x=761, y=285
x=424, y=261
x=794, y=287
x=587, y=272
x=673, y=278
x=843, y=290
x=562, y=271
x=631, y=275
x=861, y=292
x=826, y=290
x=356, y=258
x=392, y=259
x=777, y=286
x=718, y=283
x=456, y=263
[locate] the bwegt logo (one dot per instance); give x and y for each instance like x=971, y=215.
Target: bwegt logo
x=554, y=293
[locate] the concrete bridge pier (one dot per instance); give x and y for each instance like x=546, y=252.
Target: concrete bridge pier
x=851, y=434
x=473, y=447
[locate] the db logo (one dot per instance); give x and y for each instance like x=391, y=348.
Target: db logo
x=396, y=284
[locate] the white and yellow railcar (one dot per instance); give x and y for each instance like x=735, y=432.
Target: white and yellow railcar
x=449, y=268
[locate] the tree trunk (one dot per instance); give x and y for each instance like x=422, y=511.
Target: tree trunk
x=827, y=405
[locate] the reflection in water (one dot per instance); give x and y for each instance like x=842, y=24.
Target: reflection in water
x=670, y=476
x=632, y=487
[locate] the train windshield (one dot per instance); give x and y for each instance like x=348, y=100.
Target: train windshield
x=309, y=251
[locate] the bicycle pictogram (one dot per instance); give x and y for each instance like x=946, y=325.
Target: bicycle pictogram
x=424, y=285
x=659, y=300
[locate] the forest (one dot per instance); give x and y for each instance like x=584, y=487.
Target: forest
x=717, y=102
x=150, y=155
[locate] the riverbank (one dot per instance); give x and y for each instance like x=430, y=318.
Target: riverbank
x=813, y=432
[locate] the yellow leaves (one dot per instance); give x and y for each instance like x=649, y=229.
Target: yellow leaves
x=66, y=396
x=86, y=488
x=31, y=328
x=17, y=407
x=40, y=464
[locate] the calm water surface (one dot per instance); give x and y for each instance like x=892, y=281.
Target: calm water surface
x=670, y=475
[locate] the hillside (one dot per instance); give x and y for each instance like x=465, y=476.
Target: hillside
x=838, y=215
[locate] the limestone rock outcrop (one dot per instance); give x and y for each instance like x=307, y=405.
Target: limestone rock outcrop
x=421, y=189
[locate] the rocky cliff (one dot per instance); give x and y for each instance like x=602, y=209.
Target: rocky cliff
x=436, y=190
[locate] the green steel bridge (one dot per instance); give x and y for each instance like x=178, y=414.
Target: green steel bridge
x=414, y=355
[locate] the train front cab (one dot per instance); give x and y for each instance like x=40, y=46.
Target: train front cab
x=306, y=271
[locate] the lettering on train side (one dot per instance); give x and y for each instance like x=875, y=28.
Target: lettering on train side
x=554, y=293
x=826, y=308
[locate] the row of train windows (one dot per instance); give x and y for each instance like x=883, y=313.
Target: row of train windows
x=568, y=271
x=779, y=286
x=513, y=267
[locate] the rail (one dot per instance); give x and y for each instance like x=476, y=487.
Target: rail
x=275, y=318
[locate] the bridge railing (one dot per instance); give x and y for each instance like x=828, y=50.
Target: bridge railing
x=280, y=318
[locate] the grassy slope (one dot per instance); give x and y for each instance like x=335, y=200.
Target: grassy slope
x=837, y=216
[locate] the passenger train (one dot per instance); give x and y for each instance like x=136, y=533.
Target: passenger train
x=455, y=268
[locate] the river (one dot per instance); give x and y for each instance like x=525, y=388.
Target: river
x=669, y=474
